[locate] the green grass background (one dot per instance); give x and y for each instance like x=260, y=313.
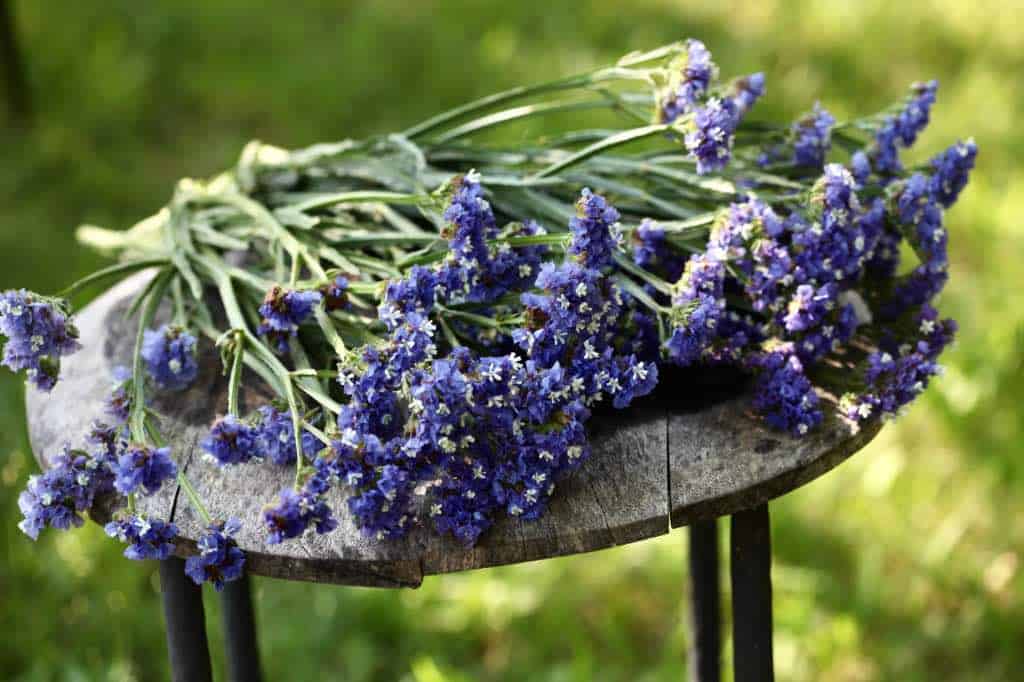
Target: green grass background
x=905, y=563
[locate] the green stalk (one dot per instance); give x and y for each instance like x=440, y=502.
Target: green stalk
x=138, y=410
x=235, y=379
x=617, y=140
x=360, y=197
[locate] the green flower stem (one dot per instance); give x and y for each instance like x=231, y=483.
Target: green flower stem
x=449, y=334
x=193, y=497
x=619, y=139
x=138, y=408
x=327, y=327
x=632, y=268
x=319, y=373
x=235, y=379
x=518, y=114
x=237, y=319
x=110, y=272
x=360, y=197
x=603, y=75
x=320, y=435
x=637, y=292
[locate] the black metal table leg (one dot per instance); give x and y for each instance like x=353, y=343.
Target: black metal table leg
x=751, y=560
x=240, y=631
x=187, y=646
x=705, y=603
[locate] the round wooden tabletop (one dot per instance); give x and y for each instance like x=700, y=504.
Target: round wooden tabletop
x=667, y=461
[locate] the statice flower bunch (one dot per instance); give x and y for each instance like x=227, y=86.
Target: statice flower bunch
x=424, y=323
x=38, y=334
x=707, y=116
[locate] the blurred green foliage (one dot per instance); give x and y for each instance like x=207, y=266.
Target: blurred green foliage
x=903, y=564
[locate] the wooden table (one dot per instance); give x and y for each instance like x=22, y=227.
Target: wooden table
x=669, y=461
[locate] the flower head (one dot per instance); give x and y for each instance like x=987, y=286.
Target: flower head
x=219, y=559
x=594, y=231
x=692, y=74
x=273, y=437
x=145, y=467
x=146, y=538
x=283, y=311
x=57, y=497
x=232, y=441
x=812, y=136
x=170, y=356
x=38, y=334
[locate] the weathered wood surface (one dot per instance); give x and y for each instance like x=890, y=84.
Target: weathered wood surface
x=658, y=465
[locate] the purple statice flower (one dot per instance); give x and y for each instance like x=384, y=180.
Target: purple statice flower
x=294, y=513
x=233, y=441
x=860, y=167
x=470, y=220
x=693, y=335
x=710, y=133
x=145, y=467
x=692, y=75
x=595, y=235
x=105, y=444
x=832, y=245
x=273, y=438
x=915, y=115
x=146, y=538
x=170, y=356
x=219, y=559
x=916, y=288
x=378, y=475
x=919, y=214
x=57, y=497
x=415, y=293
x=652, y=252
x=335, y=294
x=951, y=170
x=38, y=334
x=896, y=375
x=784, y=395
x=283, y=311
x=746, y=91
x=809, y=306
x=812, y=136
x=118, y=405
x=902, y=129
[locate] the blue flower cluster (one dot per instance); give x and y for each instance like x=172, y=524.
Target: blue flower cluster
x=900, y=371
x=691, y=74
x=812, y=137
x=902, y=129
x=219, y=559
x=708, y=118
x=57, y=498
x=38, y=334
x=595, y=235
x=146, y=538
x=652, y=251
x=477, y=271
x=232, y=441
x=143, y=468
x=170, y=356
x=283, y=311
x=784, y=394
x=476, y=434
x=803, y=276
